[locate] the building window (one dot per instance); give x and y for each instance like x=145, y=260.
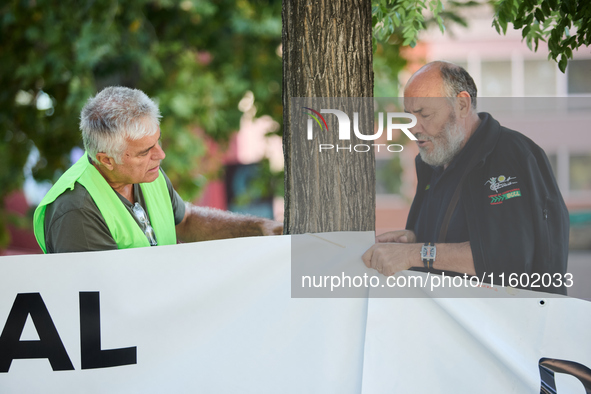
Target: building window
x=578, y=72
x=496, y=79
x=580, y=172
x=539, y=77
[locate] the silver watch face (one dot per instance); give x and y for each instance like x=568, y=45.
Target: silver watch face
x=428, y=252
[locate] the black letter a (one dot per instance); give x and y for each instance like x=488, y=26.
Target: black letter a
x=90, y=338
x=48, y=346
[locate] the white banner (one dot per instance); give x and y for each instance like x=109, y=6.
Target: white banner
x=218, y=317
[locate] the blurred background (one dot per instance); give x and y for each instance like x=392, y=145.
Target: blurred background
x=215, y=69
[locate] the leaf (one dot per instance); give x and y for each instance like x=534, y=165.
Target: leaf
x=572, y=41
x=539, y=15
x=552, y=44
x=563, y=7
x=562, y=64
x=530, y=4
x=503, y=24
x=495, y=24
x=441, y=25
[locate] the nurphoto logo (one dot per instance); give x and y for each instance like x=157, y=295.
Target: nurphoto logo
x=344, y=129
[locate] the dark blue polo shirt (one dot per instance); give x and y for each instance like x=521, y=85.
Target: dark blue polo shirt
x=439, y=193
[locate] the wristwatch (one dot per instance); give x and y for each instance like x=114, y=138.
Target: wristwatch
x=428, y=253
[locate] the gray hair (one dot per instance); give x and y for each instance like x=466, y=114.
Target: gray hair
x=455, y=80
x=115, y=115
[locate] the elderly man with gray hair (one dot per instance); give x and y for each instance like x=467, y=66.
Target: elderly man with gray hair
x=486, y=204
x=116, y=196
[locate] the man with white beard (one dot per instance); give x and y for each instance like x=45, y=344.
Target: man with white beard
x=487, y=203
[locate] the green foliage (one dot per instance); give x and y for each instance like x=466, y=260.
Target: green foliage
x=401, y=21
x=564, y=24
x=387, y=63
x=551, y=21
x=396, y=24
x=196, y=57
x=405, y=16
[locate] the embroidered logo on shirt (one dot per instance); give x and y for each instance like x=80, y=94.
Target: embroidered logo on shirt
x=496, y=199
x=500, y=182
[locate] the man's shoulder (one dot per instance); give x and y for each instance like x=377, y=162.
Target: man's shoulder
x=73, y=223
x=512, y=141
x=514, y=161
x=74, y=199
x=514, y=148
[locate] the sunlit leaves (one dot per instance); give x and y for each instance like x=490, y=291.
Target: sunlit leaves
x=405, y=16
x=401, y=21
x=551, y=21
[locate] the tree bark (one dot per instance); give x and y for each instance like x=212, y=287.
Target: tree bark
x=327, y=57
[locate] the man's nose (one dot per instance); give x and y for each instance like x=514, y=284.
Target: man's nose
x=416, y=129
x=158, y=152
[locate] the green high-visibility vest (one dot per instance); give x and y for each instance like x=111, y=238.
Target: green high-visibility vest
x=122, y=225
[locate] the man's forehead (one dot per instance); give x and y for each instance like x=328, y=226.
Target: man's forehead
x=419, y=104
x=144, y=142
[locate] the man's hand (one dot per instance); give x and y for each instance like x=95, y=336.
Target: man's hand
x=401, y=236
x=390, y=258
x=392, y=252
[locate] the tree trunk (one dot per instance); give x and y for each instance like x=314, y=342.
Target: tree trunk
x=327, y=57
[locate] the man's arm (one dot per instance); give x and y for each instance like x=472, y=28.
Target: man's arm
x=390, y=258
x=203, y=224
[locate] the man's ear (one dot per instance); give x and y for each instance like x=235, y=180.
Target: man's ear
x=464, y=103
x=105, y=160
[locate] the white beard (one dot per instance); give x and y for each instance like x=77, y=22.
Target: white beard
x=446, y=145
